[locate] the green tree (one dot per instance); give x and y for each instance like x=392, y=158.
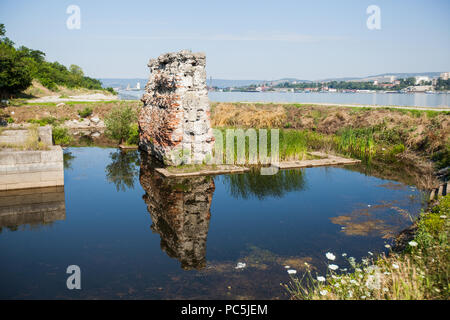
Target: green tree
x=15, y=71
x=119, y=123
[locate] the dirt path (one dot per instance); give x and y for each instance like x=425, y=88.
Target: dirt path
x=82, y=97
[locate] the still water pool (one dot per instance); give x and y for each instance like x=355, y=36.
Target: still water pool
x=135, y=234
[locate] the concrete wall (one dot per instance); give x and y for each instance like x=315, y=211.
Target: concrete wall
x=20, y=136
x=31, y=169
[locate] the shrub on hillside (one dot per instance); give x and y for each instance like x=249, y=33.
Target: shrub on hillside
x=86, y=112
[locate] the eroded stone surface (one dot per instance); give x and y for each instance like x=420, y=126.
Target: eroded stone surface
x=174, y=122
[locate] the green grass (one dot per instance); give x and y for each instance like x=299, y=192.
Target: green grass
x=86, y=112
x=45, y=121
x=189, y=168
x=61, y=136
x=356, y=142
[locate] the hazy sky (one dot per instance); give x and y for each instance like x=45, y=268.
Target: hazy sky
x=242, y=39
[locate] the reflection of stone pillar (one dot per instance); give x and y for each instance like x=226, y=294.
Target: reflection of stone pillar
x=180, y=212
x=37, y=206
x=174, y=122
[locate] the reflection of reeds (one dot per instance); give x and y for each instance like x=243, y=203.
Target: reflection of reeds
x=253, y=184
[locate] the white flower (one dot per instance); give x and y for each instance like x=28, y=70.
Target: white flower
x=287, y=267
x=323, y=292
x=370, y=253
x=321, y=279
x=385, y=289
x=373, y=282
x=330, y=256
x=395, y=266
x=387, y=246
x=363, y=297
x=240, y=265
x=333, y=267
x=354, y=282
x=443, y=216
x=358, y=270
x=292, y=271
x=350, y=294
x=372, y=268
x=344, y=254
x=412, y=243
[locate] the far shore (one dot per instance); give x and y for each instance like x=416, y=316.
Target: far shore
x=348, y=105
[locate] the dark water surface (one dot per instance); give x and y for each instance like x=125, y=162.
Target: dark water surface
x=135, y=234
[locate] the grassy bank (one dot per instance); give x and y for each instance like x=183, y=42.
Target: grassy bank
x=421, y=271
x=387, y=135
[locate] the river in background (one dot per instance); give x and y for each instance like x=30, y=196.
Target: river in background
x=383, y=99
x=135, y=234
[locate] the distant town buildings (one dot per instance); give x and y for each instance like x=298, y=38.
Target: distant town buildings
x=384, y=83
x=444, y=75
x=419, y=79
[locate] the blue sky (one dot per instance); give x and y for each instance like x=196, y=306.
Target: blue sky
x=242, y=39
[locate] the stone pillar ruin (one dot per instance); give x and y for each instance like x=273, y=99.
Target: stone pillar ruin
x=174, y=123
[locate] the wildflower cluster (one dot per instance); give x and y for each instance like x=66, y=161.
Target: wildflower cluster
x=421, y=272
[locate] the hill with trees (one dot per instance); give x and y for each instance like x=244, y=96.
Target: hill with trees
x=20, y=66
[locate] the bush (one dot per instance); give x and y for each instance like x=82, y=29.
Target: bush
x=119, y=123
x=61, y=136
x=111, y=90
x=134, y=135
x=86, y=112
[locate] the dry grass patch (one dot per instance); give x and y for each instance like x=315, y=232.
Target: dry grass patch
x=227, y=114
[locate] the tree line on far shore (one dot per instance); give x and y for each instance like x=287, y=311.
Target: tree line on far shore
x=20, y=66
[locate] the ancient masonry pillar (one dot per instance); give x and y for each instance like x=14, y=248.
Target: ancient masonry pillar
x=174, y=123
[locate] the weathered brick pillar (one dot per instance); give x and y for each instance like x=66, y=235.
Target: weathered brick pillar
x=174, y=122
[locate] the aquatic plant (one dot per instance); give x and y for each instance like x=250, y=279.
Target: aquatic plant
x=420, y=272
